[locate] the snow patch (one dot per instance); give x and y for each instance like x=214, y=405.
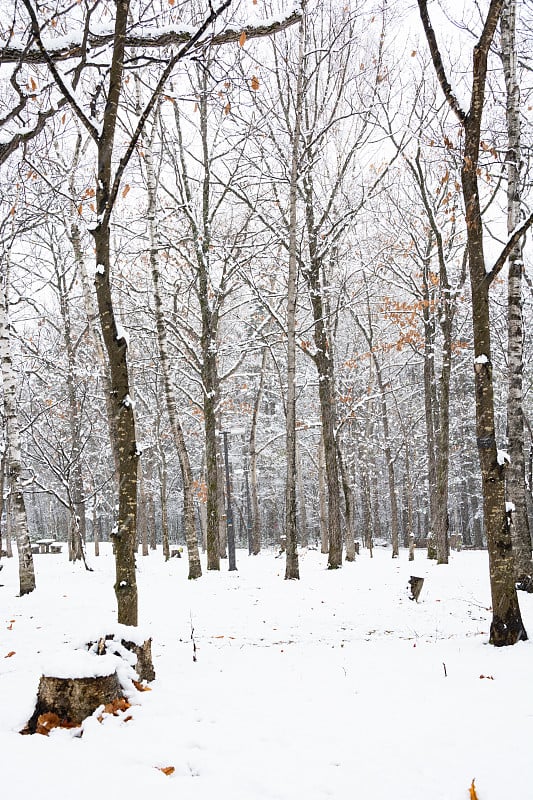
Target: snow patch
x=503, y=457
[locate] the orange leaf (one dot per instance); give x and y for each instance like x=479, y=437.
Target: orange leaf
x=167, y=770
x=473, y=793
x=255, y=83
x=227, y=108
x=126, y=190
x=46, y=722
x=33, y=84
x=242, y=39
x=141, y=687
x=11, y=653
x=80, y=209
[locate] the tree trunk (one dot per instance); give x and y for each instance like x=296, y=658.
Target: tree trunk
x=17, y=507
x=124, y=533
x=292, y=567
x=349, y=507
x=430, y=408
x=303, y=534
x=322, y=503
x=254, y=499
x=195, y=569
x=507, y=627
x=515, y=472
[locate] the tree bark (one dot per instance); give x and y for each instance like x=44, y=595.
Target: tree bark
x=515, y=471
x=292, y=566
x=507, y=627
x=124, y=533
x=254, y=498
x=17, y=506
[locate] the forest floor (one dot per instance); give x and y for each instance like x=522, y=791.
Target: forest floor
x=334, y=686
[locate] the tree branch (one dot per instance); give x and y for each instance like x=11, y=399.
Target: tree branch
x=438, y=64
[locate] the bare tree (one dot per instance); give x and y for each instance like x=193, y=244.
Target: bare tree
x=507, y=627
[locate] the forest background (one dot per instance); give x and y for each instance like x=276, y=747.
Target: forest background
x=244, y=289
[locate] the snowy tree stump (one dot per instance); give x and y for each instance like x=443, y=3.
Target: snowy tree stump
x=73, y=699
x=113, y=642
x=415, y=585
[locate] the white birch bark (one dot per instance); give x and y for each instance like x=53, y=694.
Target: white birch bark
x=515, y=472
x=17, y=507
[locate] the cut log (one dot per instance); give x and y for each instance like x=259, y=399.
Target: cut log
x=74, y=699
x=415, y=586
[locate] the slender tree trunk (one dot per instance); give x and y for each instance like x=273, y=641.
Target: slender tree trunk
x=195, y=569
x=515, y=472
x=254, y=498
x=410, y=534
x=441, y=523
x=322, y=502
x=164, y=505
x=390, y=464
x=78, y=525
x=17, y=507
x=2, y=504
x=292, y=566
x=222, y=518
x=349, y=507
x=142, y=516
x=303, y=534
x=430, y=409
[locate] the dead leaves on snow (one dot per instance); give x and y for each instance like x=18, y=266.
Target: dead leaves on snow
x=118, y=705
x=473, y=793
x=166, y=770
x=47, y=722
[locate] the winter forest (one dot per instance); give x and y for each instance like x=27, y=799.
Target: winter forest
x=265, y=291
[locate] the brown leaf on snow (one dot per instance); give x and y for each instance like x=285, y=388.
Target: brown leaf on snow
x=49, y=721
x=120, y=704
x=166, y=770
x=11, y=653
x=141, y=687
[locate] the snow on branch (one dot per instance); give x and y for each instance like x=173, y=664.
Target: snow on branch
x=513, y=240
x=74, y=46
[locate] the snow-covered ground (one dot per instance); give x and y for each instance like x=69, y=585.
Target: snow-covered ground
x=334, y=686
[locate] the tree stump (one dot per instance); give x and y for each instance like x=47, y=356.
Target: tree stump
x=415, y=586
x=145, y=668
x=73, y=699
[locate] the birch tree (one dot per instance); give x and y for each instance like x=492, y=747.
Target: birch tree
x=515, y=471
